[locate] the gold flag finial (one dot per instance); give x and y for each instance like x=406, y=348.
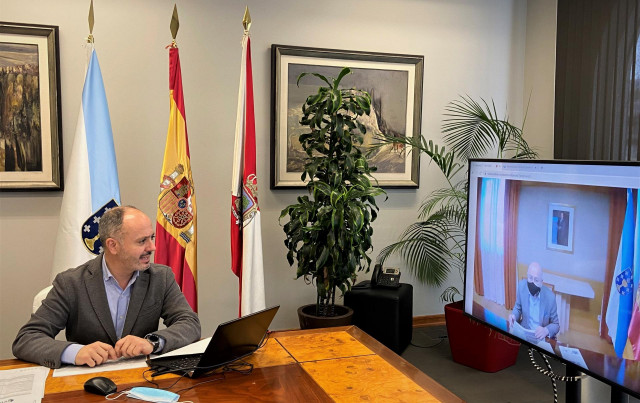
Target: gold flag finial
x=90, y=37
x=175, y=23
x=246, y=20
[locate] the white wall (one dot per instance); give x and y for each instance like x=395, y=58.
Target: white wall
x=590, y=235
x=539, y=75
x=482, y=49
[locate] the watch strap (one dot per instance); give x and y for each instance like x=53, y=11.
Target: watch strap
x=154, y=339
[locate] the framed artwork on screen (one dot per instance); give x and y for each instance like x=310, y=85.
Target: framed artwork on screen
x=560, y=227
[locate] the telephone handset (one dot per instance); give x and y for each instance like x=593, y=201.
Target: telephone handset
x=385, y=277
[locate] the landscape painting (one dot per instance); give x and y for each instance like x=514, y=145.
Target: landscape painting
x=395, y=85
x=30, y=118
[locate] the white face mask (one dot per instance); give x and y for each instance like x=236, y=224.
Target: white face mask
x=150, y=395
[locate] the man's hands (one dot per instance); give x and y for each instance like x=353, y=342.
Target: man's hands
x=98, y=353
x=133, y=346
x=541, y=332
x=95, y=354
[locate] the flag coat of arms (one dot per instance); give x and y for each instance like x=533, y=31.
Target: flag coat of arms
x=92, y=185
x=246, y=232
x=176, y=238
x=620, y=308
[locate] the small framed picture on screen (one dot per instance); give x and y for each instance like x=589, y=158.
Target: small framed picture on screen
x=560, y=227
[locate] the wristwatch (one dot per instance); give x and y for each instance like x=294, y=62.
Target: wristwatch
x=154, y=339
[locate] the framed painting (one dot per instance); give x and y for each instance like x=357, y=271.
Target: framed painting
x=560, y=227
x=394, y=82
x=30, y=116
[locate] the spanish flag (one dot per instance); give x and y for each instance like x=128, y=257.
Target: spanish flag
x=176, y=238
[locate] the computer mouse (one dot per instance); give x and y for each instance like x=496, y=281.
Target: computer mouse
x=100, y=386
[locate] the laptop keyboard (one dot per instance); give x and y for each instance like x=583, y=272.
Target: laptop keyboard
x=183, y=363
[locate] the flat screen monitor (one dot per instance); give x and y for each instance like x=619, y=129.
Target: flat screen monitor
x=553, y=260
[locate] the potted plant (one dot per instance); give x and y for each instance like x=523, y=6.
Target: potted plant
x=328, y=232
x=435, y=246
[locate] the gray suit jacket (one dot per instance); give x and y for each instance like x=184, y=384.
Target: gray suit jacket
x=548, y=308
x=78, y=302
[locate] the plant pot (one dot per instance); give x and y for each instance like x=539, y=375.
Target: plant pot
x=309, y=320
x=476, y=345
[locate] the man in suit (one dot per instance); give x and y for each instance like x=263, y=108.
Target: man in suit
x=535, y=307
x=111, y=305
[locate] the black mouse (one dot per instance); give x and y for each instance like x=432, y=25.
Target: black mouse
x=100, y=386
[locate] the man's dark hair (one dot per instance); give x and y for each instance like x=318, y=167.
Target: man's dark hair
x=111, y=223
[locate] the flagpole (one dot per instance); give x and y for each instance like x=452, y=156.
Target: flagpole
x=91, y=183
x=91, y=21
x=176, y=218
x=246, y=20
x=246, y=233
x=174, y=26
x=90, y=39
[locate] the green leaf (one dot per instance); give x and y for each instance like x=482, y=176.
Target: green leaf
x=364, y=104
x=343, y=72
x=336, y=100
x=320, y=76
x=314, y=99
x=358, y=215
x=331, y=239
x=322, y=259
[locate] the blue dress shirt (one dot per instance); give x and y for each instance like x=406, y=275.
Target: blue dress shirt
x=118, y=305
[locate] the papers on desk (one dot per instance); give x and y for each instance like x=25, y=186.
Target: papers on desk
x=524, y=334
x=23, y=384
x=530, y=336
x=115, y=365
x=573, y=355
x=545, y=345
x=194, y=348
x=129, y=363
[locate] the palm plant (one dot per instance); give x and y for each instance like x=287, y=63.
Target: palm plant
x=435, y=245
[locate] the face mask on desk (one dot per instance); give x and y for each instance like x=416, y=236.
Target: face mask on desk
x=150, y=395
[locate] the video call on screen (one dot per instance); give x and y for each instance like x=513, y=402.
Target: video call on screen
x=580, y=223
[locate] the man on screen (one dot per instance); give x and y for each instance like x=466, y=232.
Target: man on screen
x=535, y=307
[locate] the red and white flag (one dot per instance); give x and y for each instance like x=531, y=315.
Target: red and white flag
x=246, y=232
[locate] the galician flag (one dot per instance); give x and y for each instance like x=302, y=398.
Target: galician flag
x=246, y=237
x=634, y=326
x=176, y=218
x=92, y=178
x=620, y=307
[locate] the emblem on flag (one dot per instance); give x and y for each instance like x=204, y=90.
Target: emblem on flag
x=175, y=201
x=249, y=207
x=90, y=228
x=624, y=282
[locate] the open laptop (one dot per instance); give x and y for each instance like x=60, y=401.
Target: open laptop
x=231, y=341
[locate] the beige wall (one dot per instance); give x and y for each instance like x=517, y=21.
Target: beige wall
x=480, y=48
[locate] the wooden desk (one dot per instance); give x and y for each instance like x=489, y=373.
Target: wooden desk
x=318, y=365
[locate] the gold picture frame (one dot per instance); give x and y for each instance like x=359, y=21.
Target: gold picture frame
x=395, y=84
x=30, y=108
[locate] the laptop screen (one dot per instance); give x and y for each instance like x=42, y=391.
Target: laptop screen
x=237, y=338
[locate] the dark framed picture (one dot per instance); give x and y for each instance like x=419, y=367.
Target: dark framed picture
x=560, y=227
x=395, y=84
x=30, y=116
